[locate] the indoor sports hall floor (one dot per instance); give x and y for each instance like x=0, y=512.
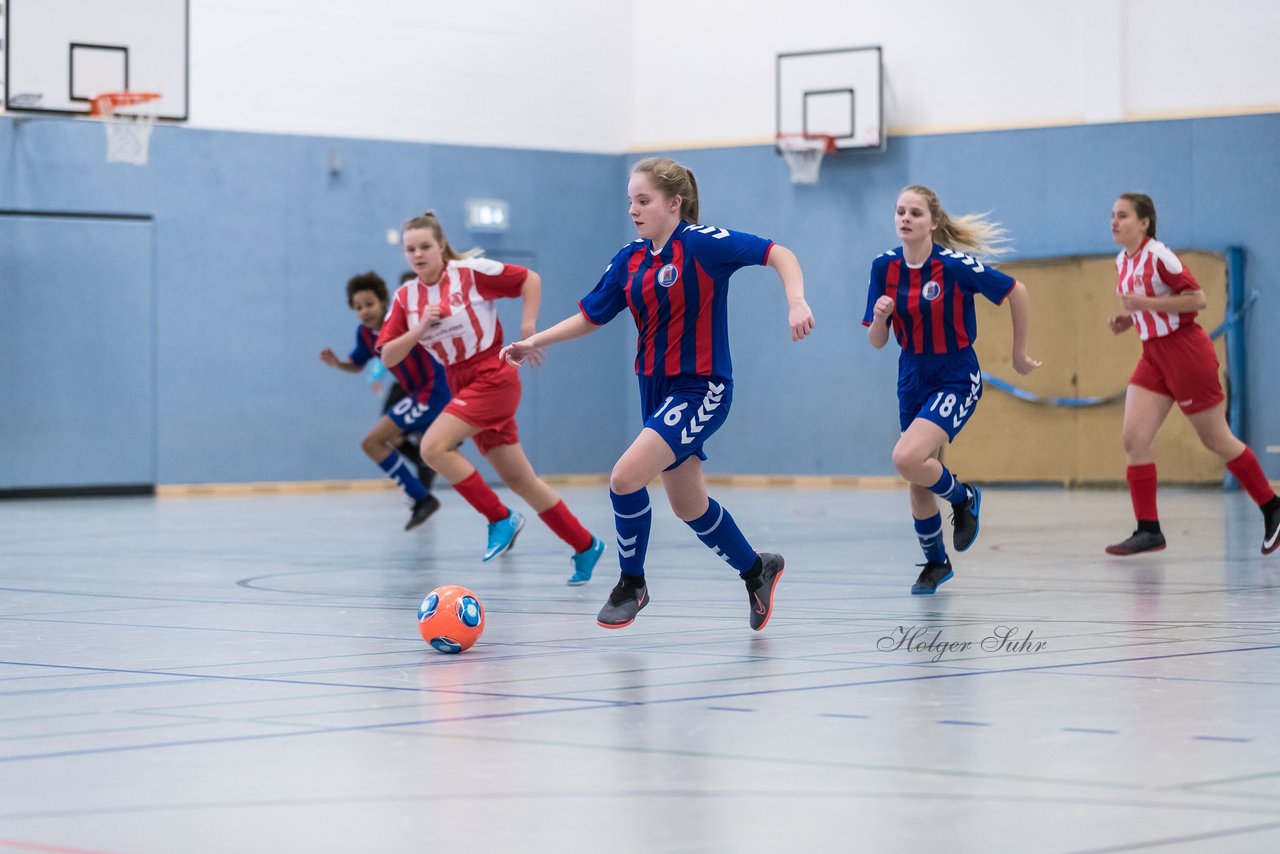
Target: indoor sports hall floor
x=245, y=674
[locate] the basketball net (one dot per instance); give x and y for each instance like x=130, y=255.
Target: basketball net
x=804, y=153
x=128, y=136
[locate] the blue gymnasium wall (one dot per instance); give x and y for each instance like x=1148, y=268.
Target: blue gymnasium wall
x=254, y=242
x=254, y=239
x=828, y=405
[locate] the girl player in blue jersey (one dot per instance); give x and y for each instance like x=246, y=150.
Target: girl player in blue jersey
x=675, y=280
x=425, y=394
x=924, y=291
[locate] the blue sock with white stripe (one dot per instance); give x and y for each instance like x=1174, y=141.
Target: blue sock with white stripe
x=398, y=471
x=930, y=533
x=633, y=518
x=950, y=488
x=720, y=533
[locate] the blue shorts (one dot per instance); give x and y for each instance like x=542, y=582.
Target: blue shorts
x=944, y=389
x=685, y=410
x=412, y=415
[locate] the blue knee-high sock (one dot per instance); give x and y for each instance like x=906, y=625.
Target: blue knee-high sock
x=398, y=471
x=720, y=533
x=930, y=533
x=632, y=518
x=950, y=487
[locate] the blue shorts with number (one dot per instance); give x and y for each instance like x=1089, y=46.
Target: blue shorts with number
x=412, y=415
x=943, y=388
x=685, y=410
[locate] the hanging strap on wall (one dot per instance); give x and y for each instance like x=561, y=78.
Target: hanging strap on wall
x=1231, y=321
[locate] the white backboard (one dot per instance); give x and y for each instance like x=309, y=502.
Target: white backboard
x=838, y=93
x=60, y=53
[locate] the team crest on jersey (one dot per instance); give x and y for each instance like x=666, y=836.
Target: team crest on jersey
x=456, y=300
x=668, y=275
x=931, y=291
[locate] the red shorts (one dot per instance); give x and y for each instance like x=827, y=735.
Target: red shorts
x=486, y=392
x=1181, y=365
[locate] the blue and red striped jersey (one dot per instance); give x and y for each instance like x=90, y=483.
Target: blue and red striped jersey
x=933, y=303
x=417, y=374
x=678, y=297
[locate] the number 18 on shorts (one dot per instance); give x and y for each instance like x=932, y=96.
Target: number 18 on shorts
x=950, y=406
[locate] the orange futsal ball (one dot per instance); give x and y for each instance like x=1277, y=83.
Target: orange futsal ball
x=451, y=619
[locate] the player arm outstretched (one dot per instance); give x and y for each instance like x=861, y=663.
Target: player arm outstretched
x=532, y=346
x=531, y=292
x=799, y=317
x=1020, y=313
x=331, y=359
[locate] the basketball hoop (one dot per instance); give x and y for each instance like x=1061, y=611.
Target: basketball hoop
x=804, y=152
x=128, y=136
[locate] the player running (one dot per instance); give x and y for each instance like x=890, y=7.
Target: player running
x=675, y=282
x=1160, y=298
x=449, y=309
x=424, y=395
x=924, y=291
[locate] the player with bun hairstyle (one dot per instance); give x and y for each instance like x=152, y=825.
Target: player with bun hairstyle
x=1160, y=298
x=449, y=309
x=923, y=291
x=675, y=281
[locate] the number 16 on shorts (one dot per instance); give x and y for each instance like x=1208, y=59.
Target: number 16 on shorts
x=690, y=414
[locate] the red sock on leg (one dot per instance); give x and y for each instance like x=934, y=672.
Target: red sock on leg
x=1142, y=491
x=567, y=527
x=1246, y=469
x=480, y=496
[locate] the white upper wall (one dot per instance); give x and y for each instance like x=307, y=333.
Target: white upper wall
x=546, y=74
x=959, y=64
x=602, y=76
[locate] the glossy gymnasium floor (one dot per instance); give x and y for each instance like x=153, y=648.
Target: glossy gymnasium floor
x=245, y=674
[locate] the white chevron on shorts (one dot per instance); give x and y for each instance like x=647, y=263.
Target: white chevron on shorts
x=710, y=403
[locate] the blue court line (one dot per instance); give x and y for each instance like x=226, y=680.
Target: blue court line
x=189, y=628
x=964, y=723
x=1091, y=730
x=273, y=680
x=593, y=704
x=1223, y=738
x=728, y=709
x=1175, y=840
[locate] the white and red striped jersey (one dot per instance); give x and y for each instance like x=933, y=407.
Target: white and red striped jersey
x=1155, y=271
x=468, y=317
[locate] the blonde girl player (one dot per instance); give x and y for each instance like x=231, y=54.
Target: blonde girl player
x=1160, y=298
x=675, y=282
x=449, y=309
x=923, y=290
x=425, y=395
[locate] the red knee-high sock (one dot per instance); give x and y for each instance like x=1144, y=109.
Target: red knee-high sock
x=566, y=526
x=1246, y=469
x=480, y=496
x=1142, y=491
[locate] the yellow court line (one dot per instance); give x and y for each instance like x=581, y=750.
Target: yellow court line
x=314, y=487
x=943, y=130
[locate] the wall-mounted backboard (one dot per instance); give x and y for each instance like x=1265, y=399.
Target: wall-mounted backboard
x=837, y=93
x=59, y=54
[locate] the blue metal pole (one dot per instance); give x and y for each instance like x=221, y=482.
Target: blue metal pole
x=1236, y=364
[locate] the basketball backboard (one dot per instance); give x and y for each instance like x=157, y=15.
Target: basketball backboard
x=837, y=93
x=59, y=54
